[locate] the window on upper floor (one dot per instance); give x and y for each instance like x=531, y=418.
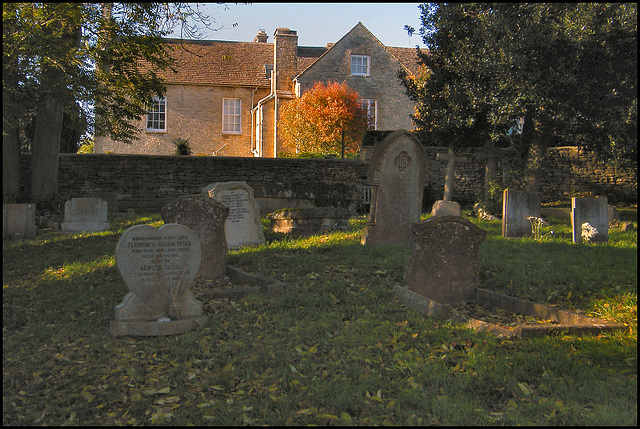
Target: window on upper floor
x=231, y=116
x=268, y=68
x=360, y=65
x=157, y=115
x=370, y=106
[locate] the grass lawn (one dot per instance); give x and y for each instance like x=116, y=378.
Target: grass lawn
x=338, y=349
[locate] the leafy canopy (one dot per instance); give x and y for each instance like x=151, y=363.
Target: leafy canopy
x=95, y=51
x=571, y=67
x=327, y=119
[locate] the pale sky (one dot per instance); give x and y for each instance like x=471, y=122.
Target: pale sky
x=316, y=23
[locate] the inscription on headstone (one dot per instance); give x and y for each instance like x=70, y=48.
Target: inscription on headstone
x=158, y=266
x=243, y=226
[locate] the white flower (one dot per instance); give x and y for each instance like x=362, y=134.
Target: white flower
x=588, y=232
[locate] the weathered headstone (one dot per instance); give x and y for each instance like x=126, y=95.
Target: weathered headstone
x=206, y=217
x=243, y=226
x=444, y=263
x=593, y=211
x=158, y=266
x=309, y=221
x=19, y=221
x=398, y=173
x=85, y=214
x=517, y=206
x=447, y=207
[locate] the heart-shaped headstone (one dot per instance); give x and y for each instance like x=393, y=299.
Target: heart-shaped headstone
x=158, y=265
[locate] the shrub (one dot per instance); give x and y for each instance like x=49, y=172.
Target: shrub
x=182, y=146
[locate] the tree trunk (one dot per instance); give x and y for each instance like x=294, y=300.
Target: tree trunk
x=10, y=159
x=10, y=142
x=45, y=150
x=538, y=142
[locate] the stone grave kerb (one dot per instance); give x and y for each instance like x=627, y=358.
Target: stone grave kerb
x=396, y=147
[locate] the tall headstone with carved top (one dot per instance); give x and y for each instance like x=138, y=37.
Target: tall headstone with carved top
x=398, y=173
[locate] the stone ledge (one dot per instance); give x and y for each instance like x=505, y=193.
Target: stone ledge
x=258, y=285
x=155, y=328
x=567, y=322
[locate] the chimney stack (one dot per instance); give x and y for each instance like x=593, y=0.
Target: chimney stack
x=261, y=37
x=285, y=58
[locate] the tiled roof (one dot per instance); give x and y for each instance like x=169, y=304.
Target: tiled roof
x=219, y=62
x=213, y=62
x=408, y=57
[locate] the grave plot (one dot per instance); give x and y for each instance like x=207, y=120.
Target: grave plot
x=506, y=316
x=237, y=283
x=442, y=281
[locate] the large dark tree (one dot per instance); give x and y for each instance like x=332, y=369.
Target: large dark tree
x=56, y=55
x=569, y=70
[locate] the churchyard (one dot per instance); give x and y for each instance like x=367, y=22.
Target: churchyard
x=335, y=347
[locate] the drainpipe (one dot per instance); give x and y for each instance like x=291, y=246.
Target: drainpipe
x=258, y=115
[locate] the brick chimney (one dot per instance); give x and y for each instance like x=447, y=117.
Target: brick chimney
x=285, y=58
x=261, y=37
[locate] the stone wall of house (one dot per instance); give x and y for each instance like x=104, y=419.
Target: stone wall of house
x=146, y=182
x=194, y=112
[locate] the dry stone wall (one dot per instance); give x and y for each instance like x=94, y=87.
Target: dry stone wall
x=146, y=182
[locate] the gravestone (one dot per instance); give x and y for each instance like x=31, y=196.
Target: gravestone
x=517, y=206
x=206, y=217
x=309, y=221
x=398, y=173
x=594, y=211
x=85, y=214
x=446, y=207
x=158, y=266
x=243, y=226
x=19, y=221
x=444, y=263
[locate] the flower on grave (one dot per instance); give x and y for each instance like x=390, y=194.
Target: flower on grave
x=588, y=232
x=536, y=226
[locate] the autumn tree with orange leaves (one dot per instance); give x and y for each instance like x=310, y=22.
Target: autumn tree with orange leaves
x=327, y=119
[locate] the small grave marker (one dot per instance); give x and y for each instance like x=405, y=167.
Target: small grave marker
x=593, y=211
x=398, y=173
x=517, y=206
x=85, y=214
x=19, y=221
x=243, y=226
x=158, y=266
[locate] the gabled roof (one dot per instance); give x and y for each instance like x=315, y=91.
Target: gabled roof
x=407, y=57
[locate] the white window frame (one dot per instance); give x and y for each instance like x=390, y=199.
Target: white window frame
x=157, y=115
x=232, y=121
x=371, y=106
x=361, y=66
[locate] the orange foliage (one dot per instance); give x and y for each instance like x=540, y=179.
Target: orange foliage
x=326, y=119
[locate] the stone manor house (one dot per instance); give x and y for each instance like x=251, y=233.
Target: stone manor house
x=225, y=96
